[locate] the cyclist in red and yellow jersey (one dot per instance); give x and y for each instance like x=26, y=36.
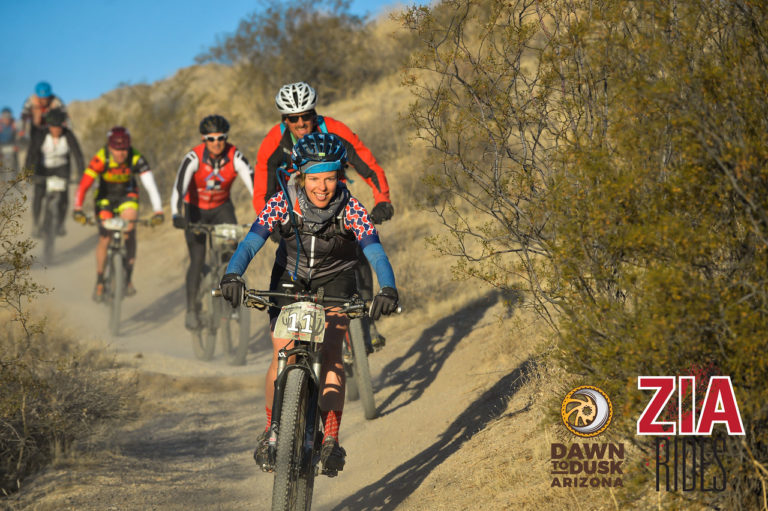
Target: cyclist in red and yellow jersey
x=116, y=167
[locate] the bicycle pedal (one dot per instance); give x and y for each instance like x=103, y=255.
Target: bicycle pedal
x=329, y=472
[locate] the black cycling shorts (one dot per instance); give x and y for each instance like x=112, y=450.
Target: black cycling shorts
x=343, y=284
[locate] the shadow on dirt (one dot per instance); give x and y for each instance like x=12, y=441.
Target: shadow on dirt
x=161, y=310
x=83, y=248
x=430, y=352
x=391, y=490
x=190, y=435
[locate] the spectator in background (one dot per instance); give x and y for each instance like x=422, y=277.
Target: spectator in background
x=8, y=148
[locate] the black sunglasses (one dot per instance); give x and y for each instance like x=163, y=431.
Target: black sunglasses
x=209, y=138
x=304, y=117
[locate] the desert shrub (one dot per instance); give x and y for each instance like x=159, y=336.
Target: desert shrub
x=53, y=391
x=609, y=158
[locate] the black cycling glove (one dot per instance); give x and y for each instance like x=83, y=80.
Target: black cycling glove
x=179, y=222
x=232, y=286
x=381, y=212
x=383, y=303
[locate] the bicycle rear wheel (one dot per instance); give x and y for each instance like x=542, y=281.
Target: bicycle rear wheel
x=118, y=289
x=351, y=392
x=294, y=472
x=204, y=338
x=362, y=371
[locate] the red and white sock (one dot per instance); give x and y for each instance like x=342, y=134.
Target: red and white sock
x=269, y=417
x=331, y=420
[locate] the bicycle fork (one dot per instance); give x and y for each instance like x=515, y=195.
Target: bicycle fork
x=310, y=363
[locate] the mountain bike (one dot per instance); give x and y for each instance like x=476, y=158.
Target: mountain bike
x=55, y=191
x=217, y=317
x=115, y=266
x=295, y=438
x=355, y=356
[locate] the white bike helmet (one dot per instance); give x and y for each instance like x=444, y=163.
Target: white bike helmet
x=295, y=98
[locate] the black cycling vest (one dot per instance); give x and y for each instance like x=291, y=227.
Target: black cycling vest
x=325, y=249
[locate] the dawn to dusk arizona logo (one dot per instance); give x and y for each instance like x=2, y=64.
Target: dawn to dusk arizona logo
x=586, y=411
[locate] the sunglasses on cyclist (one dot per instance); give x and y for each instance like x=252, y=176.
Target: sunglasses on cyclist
x=209, y=138
x=293, y=119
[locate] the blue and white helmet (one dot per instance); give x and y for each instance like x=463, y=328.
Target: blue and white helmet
x=319, y=152
x=295, y=98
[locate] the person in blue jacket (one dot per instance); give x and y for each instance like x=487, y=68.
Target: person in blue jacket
x=318, y=249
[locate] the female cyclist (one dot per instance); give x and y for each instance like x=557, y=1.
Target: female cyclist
x=317, y=249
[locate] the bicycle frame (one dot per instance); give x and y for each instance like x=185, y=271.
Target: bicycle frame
x=221, y=241
x=306, y=357
x=114, y=265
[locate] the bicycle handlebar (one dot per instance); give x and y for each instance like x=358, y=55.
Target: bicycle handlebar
x=209, y=228
x=259, y=300
x=141, y=221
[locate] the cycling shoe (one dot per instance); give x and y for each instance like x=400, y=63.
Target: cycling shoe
x=333, y=456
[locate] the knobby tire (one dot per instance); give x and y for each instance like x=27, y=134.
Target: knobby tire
x=362, y=372
x=293, y=485
x=236, y=334
x=118, y=289
x=204, y=338
x=351, y=393
x=49, y=227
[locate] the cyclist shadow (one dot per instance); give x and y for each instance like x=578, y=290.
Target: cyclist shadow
x=392, y=489
x=430, y=352
x=84, y=247
x=161, y=310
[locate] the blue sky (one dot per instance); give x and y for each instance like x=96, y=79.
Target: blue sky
x=85, y=48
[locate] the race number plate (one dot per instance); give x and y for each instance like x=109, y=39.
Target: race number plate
x=55, y=184
x=302, y=321
x=115, y=223
x=228, y=231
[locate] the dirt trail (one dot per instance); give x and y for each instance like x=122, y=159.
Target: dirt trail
x=191, y=448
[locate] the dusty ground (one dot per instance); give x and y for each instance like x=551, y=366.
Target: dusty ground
x=436, y=387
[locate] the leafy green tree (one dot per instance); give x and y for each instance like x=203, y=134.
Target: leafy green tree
x=610, y=158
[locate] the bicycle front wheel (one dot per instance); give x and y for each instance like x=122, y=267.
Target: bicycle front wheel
x=236, y=334
x=204, y=338
x=362, y=371
x=294, y=472
x=49, y=226
x=118, y=289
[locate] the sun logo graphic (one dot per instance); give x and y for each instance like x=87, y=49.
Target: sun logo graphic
x=586, y=411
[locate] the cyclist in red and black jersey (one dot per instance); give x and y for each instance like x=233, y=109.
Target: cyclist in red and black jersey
x=202, y=186
x=116, y=166
x=296, y=103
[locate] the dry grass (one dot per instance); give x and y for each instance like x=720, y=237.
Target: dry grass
x=57, y=393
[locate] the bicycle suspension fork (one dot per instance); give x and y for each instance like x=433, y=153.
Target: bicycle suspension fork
x=309, y=362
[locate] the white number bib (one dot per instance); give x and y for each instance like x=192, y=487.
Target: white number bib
x=55, y=184
x=302, y=321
